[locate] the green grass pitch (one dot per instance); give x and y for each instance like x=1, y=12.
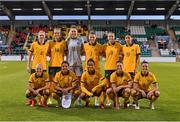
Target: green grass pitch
x=13, y=83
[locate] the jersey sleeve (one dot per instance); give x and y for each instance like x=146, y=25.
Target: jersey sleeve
x=83, y=78
x=128, y=77
x=65, y=46
x=74, y=79
x=120, y=47
x=123, y=50
x=101, y=77
x=136, y=78
x=138, y=50
x=31, y=79
x=47, y=77
x=100, y=49
x=154, y=79
x=32, y=48
x=56, y=78
x=83, y=81
x=104, y=48
x=113, y=78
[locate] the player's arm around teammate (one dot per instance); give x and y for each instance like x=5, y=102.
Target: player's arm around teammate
x=145, y=86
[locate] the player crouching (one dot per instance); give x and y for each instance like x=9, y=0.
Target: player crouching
x=38, y=86
x=65, y=83
x=120, y=86
x=142, y=86
x=90, y=85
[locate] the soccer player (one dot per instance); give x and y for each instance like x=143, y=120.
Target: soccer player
x=38, y=86
x=145, y=86
x=65, y=82
x=57, y=48
x=112, y=51
x=93, y=50
x=38, y=51
x=75, y=49
x=131, y=56
x=90, y=85
x=120, y=86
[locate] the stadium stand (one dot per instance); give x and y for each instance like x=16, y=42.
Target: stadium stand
x=143, y=31
x=177, y=31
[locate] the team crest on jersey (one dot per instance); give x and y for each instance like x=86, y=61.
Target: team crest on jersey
x=57, y=50
x=78, y=42
x=128, y=54
x=96, y=78
x=41, y=53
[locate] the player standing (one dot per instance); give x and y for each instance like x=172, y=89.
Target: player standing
x=38, y=51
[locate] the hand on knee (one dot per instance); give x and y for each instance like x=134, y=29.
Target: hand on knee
x=133, y=92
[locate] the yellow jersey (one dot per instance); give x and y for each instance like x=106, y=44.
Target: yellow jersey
x=145, y=82
x=112, y=53
x=93, y=52
x=120, y=80
x=65, y=81
x=39, y=54
x=130, y=54
x=39, y=81
x=57, y=52
x=88, y=81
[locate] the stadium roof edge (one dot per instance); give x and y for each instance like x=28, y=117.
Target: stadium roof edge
x=85, y=0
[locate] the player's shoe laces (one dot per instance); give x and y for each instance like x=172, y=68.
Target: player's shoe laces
x=49, y=102
x=79, y=102
x=137, y=106
x=108, y=104
x=96, y=103
x=152, y=106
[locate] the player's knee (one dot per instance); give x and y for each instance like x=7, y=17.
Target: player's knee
x=127, y=90
x=82, y=95
x=97, y=93
x=109, y=90
x=47, y=92
x=133, y=92
x=126, y=93
x=55, y=96
x=28, y=94
x=157, y=93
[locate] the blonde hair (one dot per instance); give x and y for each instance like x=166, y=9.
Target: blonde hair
x=40, y=32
